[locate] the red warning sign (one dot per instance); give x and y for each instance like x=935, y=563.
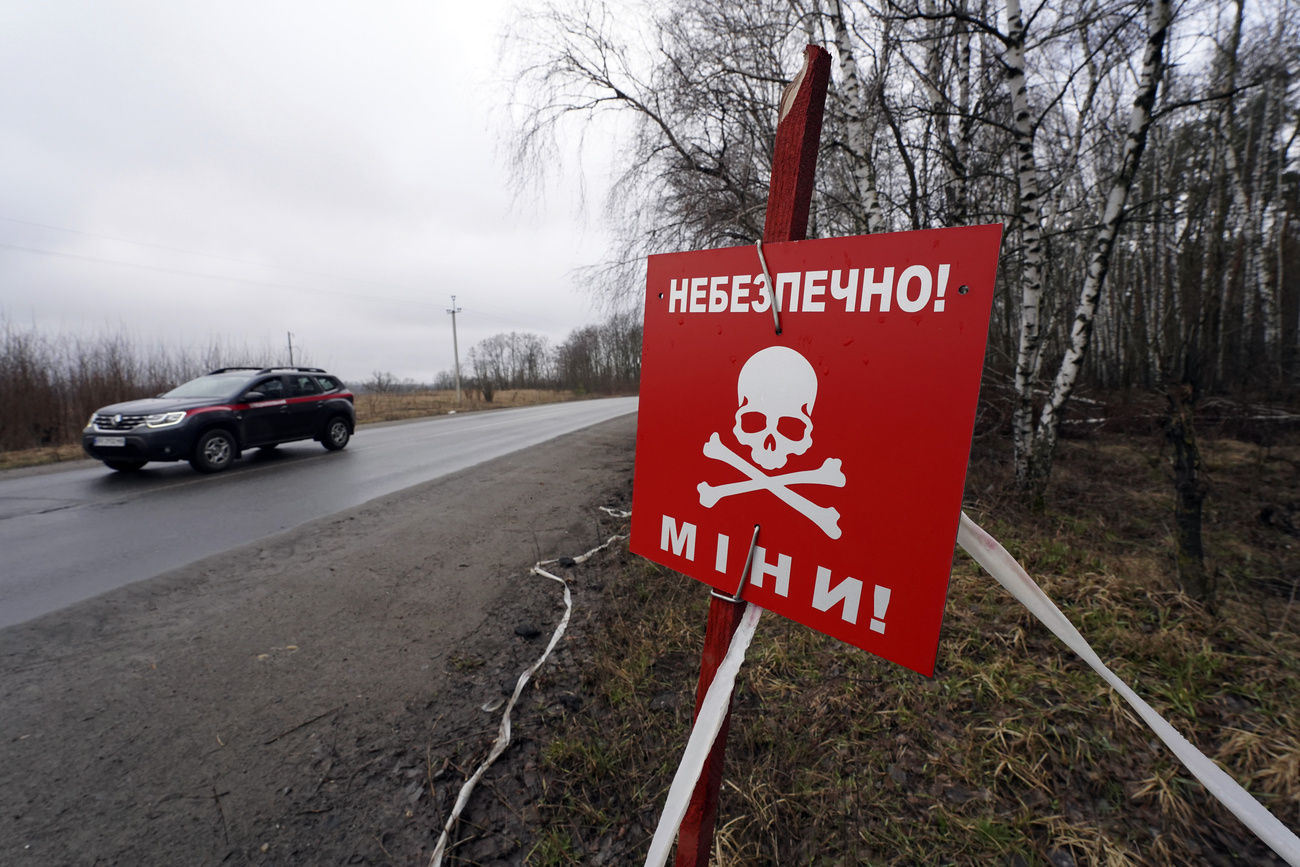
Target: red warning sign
x=844, y=438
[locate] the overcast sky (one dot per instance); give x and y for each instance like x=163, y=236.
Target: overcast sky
x=241, y=170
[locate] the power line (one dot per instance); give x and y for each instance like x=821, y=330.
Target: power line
x=206, y=255
x=183, y=272
x=482, y=309
x=253, y=282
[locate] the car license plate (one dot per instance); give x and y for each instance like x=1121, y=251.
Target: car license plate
x=110, y=441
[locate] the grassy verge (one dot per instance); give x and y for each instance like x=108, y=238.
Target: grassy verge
x=36, y=457
x=1015, y=753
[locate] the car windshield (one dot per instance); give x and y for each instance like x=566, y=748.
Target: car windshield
x=217, y=385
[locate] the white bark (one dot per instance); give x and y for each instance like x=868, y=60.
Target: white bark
x=940, y=107
x=1151, y=312
x=1248, y=208
x=1266, y=190
x=860, y=132
x=1029, y=353
x=1228, y=69
x=1159, y=14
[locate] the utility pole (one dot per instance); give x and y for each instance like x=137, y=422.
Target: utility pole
x=455, y=347
x=290, y=333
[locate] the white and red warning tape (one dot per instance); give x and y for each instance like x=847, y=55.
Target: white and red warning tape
x=707, y=724
x=503, y=731
x=990, y=554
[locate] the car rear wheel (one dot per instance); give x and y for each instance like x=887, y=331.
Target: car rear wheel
x=337, y=434
x=214, y=451
x=124, y=466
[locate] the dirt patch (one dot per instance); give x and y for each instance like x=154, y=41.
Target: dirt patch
x=316, y=698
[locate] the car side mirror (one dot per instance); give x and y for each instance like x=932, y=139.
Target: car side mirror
x=254, y=396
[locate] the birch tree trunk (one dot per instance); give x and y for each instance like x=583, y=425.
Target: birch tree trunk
x=1029, y=353
x=1159, y=14
x=941, y=113
x=1228, y=71
x=1266, y=191
x=1246, y=207
x=1211, y=263
x=860, y=133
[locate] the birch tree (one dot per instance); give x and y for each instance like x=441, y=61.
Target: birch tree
x=1029, y=354
x=860, y=119
x=1118, y=269
x=1042, y=449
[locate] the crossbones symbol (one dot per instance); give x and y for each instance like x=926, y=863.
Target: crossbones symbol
x=827, y=474
x=776, y=391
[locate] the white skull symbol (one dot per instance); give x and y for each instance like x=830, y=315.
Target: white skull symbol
x=776, y=391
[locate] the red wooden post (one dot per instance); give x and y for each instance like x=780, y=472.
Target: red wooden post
x=794, y=162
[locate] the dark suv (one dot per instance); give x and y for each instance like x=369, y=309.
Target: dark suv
x=210, y=420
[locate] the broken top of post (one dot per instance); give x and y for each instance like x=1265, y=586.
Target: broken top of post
x=794, y=158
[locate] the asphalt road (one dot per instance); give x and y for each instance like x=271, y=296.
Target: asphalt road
x=71, y=534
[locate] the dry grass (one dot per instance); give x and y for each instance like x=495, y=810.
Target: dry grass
x=50, y=383
x=1016, y=753
x=396, y=406
x=37, y=457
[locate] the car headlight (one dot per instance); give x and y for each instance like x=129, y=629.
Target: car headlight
x=164, y=419
x=91, y=423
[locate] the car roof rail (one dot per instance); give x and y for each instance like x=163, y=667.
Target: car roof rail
x=294, y=369
x=229, y=370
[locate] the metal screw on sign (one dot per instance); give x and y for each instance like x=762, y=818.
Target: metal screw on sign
x=794, y=163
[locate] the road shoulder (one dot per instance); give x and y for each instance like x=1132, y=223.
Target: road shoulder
x=312, y=698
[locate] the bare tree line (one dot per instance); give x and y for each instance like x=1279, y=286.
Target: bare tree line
x=596, y=359
x=49, y=385
x=1142, y=159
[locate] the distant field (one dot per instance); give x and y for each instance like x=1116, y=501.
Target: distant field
x=394, y=406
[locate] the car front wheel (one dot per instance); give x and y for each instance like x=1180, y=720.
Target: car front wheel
x=214, y=451
x=337, y=434
x=124, y=466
